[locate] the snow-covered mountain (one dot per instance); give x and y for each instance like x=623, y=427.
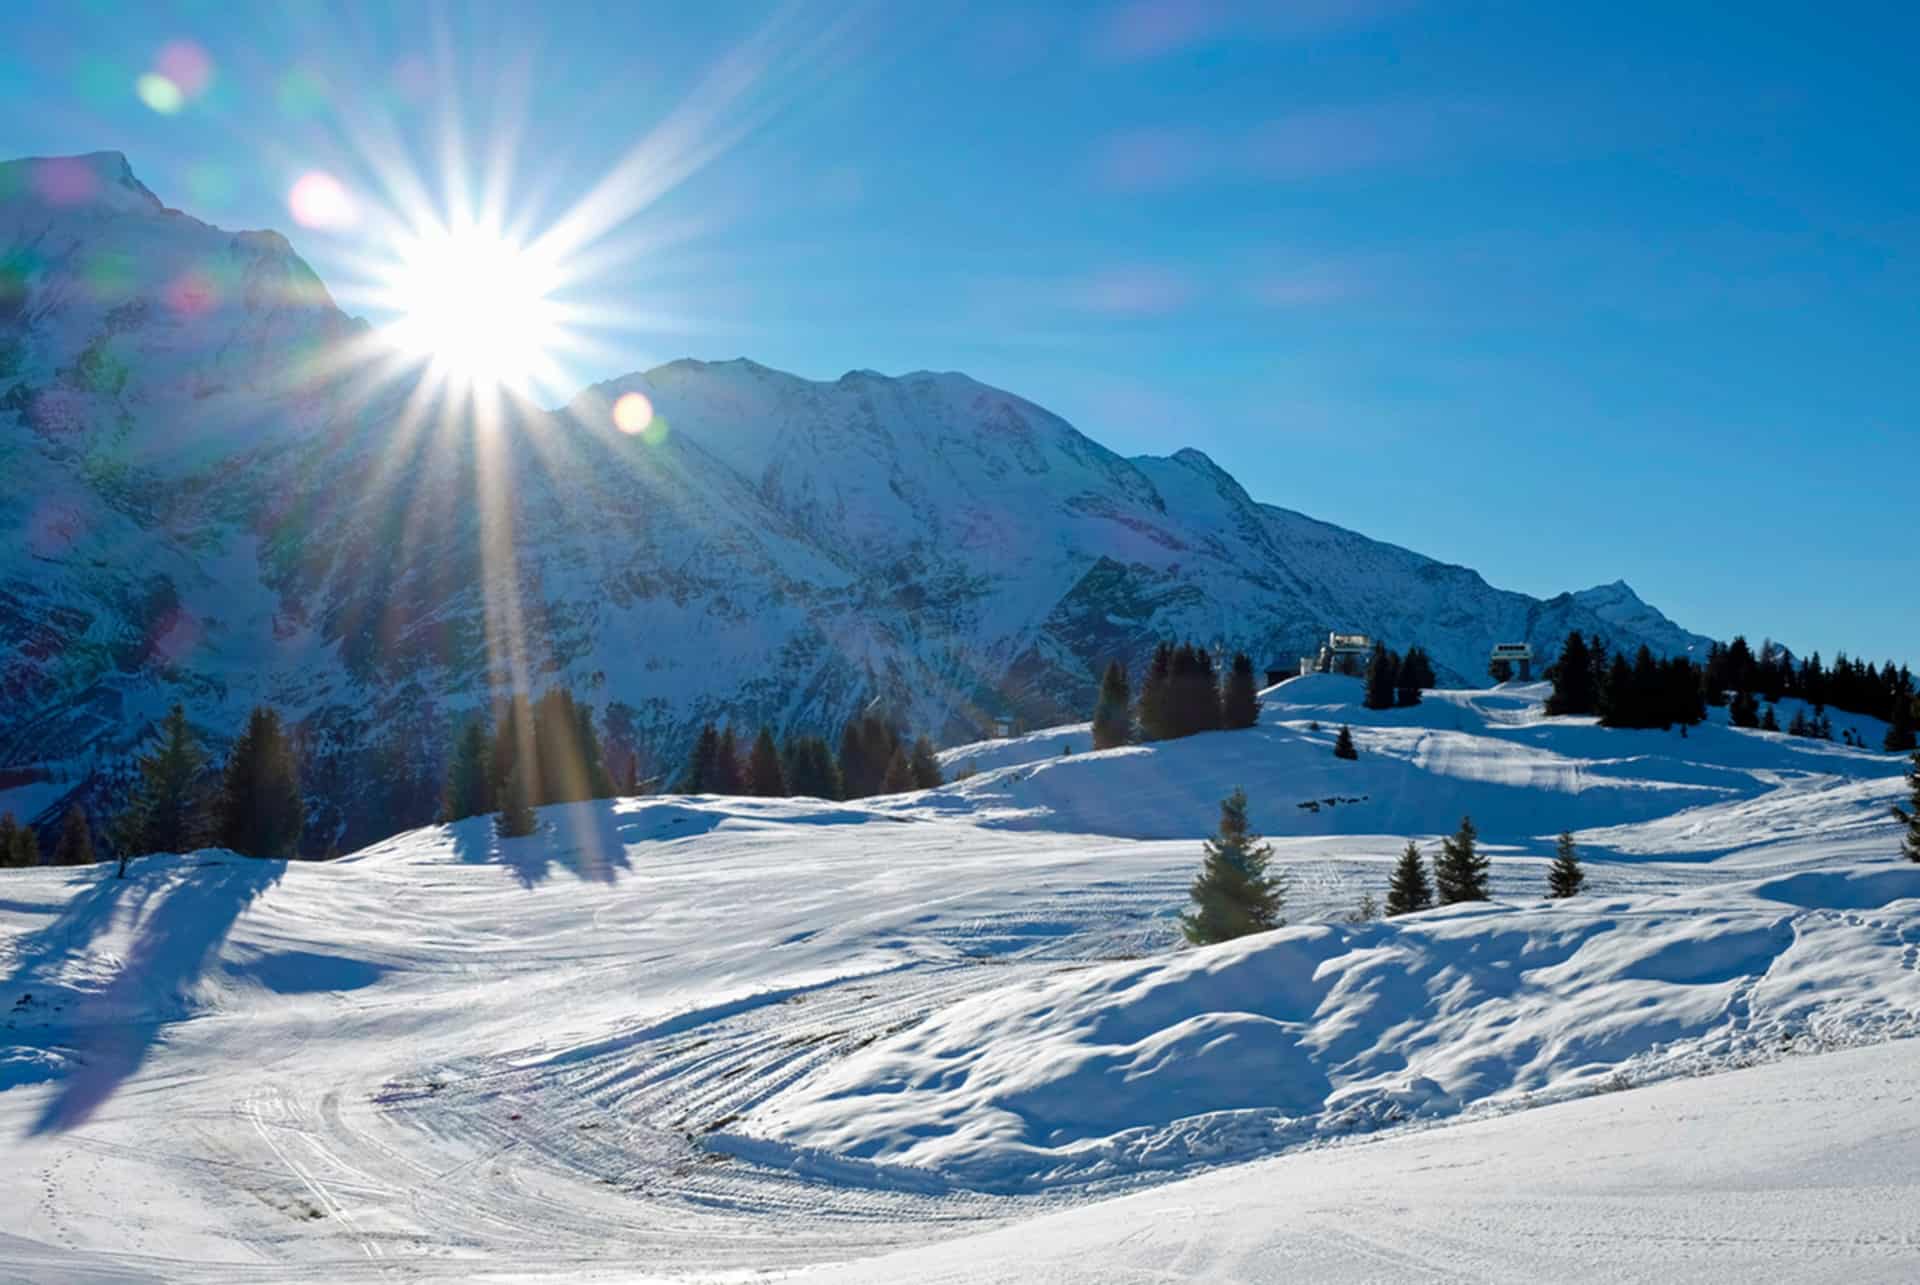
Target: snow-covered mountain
x=213, y=502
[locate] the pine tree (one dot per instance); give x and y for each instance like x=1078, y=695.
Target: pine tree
x=1156, y=697
x=899, y=776
x=1416, y=676
x=923, y=765
x=702, y=767
x=1112, y=710
x=261, y=808
x=75, y=845
x=1744, y=710
x=1343, y=744
x=1382, y=675
x=1768, y=723
x=469, y=791
x=1900, y=736
x=1565, y=876
x=1910, y=843
x=1461, y=872
x=1572, y=675
x=765, y=777
x=1234, y=894
x=810, y=768
x=512, y=748
x=1409, y=890
x=1240, y=702
x=1500, y=669
x=729, y=774
x=18, y=846
x=516, y=816
x=168, y=809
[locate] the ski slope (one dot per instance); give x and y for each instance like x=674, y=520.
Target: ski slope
x=706, y=1038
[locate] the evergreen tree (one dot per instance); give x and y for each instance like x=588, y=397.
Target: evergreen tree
x=1112, y=711
x=1744, y=710
x=1382, y=678
x=1156, y=697
x=1768, y=723
x=1900, y=733
x=810, y=768
x=899, y=776
x=1234, y=894
x=168, y=809
x=1239, y=703
x=75, y=845
x=515, y=817
x=703, y=763
x=1500, y=669
x=1616, y=698
x=1565, y=876
x=261, y=808
x=1409, y=890
x=923, y=765
x=765, y=776
x=1910, y=843
x=1416, y=675
x=469, y=791
x=18, y=847
x=1799, y=726
x=1461, y=872
x=512, y=747
x=1343, y=744
x=1572, y=675
x=729, y=774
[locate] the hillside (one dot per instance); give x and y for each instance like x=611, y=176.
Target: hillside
x=723, y=1035
x=226, y=497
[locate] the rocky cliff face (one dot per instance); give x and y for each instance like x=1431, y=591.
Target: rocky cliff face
x=213, y=503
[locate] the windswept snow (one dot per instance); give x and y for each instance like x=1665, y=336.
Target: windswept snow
x=706, y=1037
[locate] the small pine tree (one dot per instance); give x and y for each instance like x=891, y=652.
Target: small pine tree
x=1113, y=710
x=1343, y=744
x=1900, y=737
x=702, y=762
x=765, y=776
x=923, y=765
x=1564, y=876
x=469, y=791
x=75, y=845
x=1409, y=890
x=167, y=811
x=1768, y=723
x=1239, y=701
x=516, y=816
x=261, y=808
x=1910, y=843
x=899, y=777
x=1234, y=894
x=729, y=775
x=18, y=847
x=1461, y=872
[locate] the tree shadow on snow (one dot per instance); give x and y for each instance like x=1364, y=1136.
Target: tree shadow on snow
x=180, y=914
x=586, y=839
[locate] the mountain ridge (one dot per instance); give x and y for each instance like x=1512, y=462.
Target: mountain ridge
x=216, y=507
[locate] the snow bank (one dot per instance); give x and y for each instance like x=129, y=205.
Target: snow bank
x=1222, y=1053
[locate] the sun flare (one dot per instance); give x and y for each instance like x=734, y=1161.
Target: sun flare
x=476, y=306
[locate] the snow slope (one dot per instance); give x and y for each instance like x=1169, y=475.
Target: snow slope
x=700, y=1037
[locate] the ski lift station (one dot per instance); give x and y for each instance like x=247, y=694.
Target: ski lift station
x=1340, y=654
x=1518, y=655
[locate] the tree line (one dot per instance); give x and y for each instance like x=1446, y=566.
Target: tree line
x=874, y=757
x=1650, y=693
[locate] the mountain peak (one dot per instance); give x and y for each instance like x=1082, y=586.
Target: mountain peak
x=102, y=180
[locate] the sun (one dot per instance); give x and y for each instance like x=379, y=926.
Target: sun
x=475, y=306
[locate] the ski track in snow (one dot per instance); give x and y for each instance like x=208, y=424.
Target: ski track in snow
x=452, y=1058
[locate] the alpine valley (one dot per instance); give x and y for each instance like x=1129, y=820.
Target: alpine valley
x=216, y=498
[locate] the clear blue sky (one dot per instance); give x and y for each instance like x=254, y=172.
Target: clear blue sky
x=1567, y=293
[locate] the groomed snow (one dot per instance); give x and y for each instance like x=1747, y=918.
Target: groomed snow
x=652, y=1039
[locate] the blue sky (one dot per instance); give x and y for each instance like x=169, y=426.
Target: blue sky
x=1565, y=293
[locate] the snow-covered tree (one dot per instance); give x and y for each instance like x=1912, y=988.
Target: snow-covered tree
x=1409, y=889
x=1564, y=876
x=1460, y=873
x=1234, y=894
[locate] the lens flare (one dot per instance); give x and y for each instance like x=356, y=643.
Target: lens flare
x=159, y=93
x=632, y=413
x=319, y=200
x=476, y=305
x=187, y=65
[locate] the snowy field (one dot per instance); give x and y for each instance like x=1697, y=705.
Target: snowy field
x=727, y=1039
